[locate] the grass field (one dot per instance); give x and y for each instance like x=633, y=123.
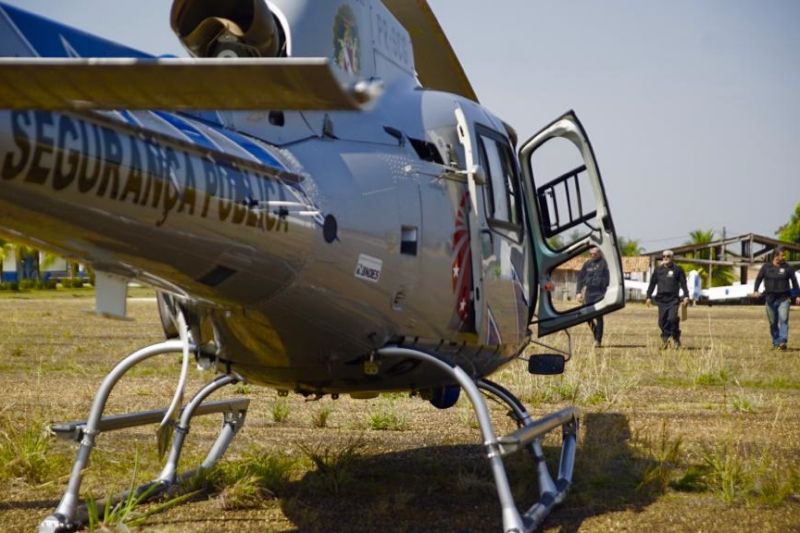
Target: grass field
x=60, y=293
x=702, y=439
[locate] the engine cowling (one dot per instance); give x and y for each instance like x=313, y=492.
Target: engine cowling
x=226, y=28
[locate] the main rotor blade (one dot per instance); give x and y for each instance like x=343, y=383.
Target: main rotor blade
x=174, y=84
x=436, y=62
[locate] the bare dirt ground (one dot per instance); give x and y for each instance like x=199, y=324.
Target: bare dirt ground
x=702, y=439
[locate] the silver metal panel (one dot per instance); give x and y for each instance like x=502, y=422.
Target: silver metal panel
x=257, y=124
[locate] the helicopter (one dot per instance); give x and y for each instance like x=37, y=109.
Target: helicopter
x=322, y=204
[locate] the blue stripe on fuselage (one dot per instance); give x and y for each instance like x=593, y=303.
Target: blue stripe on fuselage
x=47, y=37
x=199, y=138
x=129, y=118
x=187, y=129
x=252, y=148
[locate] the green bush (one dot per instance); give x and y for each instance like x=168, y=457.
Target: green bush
x=72, y=283
x=280, y=410
x=29, y=284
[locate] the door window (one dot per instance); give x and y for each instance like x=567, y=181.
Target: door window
x=567, y=202
x=501, y=176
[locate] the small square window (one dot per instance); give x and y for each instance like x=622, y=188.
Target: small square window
x=408, y=240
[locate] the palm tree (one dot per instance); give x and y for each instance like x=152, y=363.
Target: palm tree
x=629, y=247
x=720, y=275
x=29, y=261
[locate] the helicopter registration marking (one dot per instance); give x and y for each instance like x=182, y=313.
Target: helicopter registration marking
x=369, y=268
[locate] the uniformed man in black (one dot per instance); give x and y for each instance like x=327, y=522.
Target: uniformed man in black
x=778, y=278
x=592, y=284
x=669, y=278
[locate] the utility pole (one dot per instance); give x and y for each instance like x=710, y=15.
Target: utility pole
x=724, y=247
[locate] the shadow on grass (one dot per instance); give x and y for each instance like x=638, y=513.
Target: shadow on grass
x=624, y=346
x=608, y=473
x=450, y=488
x=44, y=505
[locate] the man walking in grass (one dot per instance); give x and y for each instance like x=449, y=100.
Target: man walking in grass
x=669, y=278
x=777, y=276
x=592, y=284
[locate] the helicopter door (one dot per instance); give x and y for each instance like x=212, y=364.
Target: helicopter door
x=496, y=234
x=567, y=215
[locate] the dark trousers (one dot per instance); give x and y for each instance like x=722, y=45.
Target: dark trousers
x=596, y=324
x=668, y=318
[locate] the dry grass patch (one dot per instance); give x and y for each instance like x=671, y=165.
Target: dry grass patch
x=25, y=451
x=333, y=463
x=701, y=438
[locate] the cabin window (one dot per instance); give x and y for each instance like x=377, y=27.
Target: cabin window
x=502, y=191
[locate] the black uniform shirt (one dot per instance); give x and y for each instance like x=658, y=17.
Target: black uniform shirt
x=777, y=280
x=594, y=276
x=669, y=279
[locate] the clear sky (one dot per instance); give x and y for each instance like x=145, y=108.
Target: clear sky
x=693, y=107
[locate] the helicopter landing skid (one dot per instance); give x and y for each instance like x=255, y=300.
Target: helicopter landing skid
x=69, y=515
x=528, y=436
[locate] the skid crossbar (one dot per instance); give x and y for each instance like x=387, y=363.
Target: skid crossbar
x=528, y=436
x=74, y=430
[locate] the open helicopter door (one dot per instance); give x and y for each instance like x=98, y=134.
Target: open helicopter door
x=567, y=215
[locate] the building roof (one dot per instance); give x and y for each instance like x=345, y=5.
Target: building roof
x=637, y=263
x=768, y=242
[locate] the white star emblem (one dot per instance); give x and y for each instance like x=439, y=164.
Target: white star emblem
x=456, y=271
